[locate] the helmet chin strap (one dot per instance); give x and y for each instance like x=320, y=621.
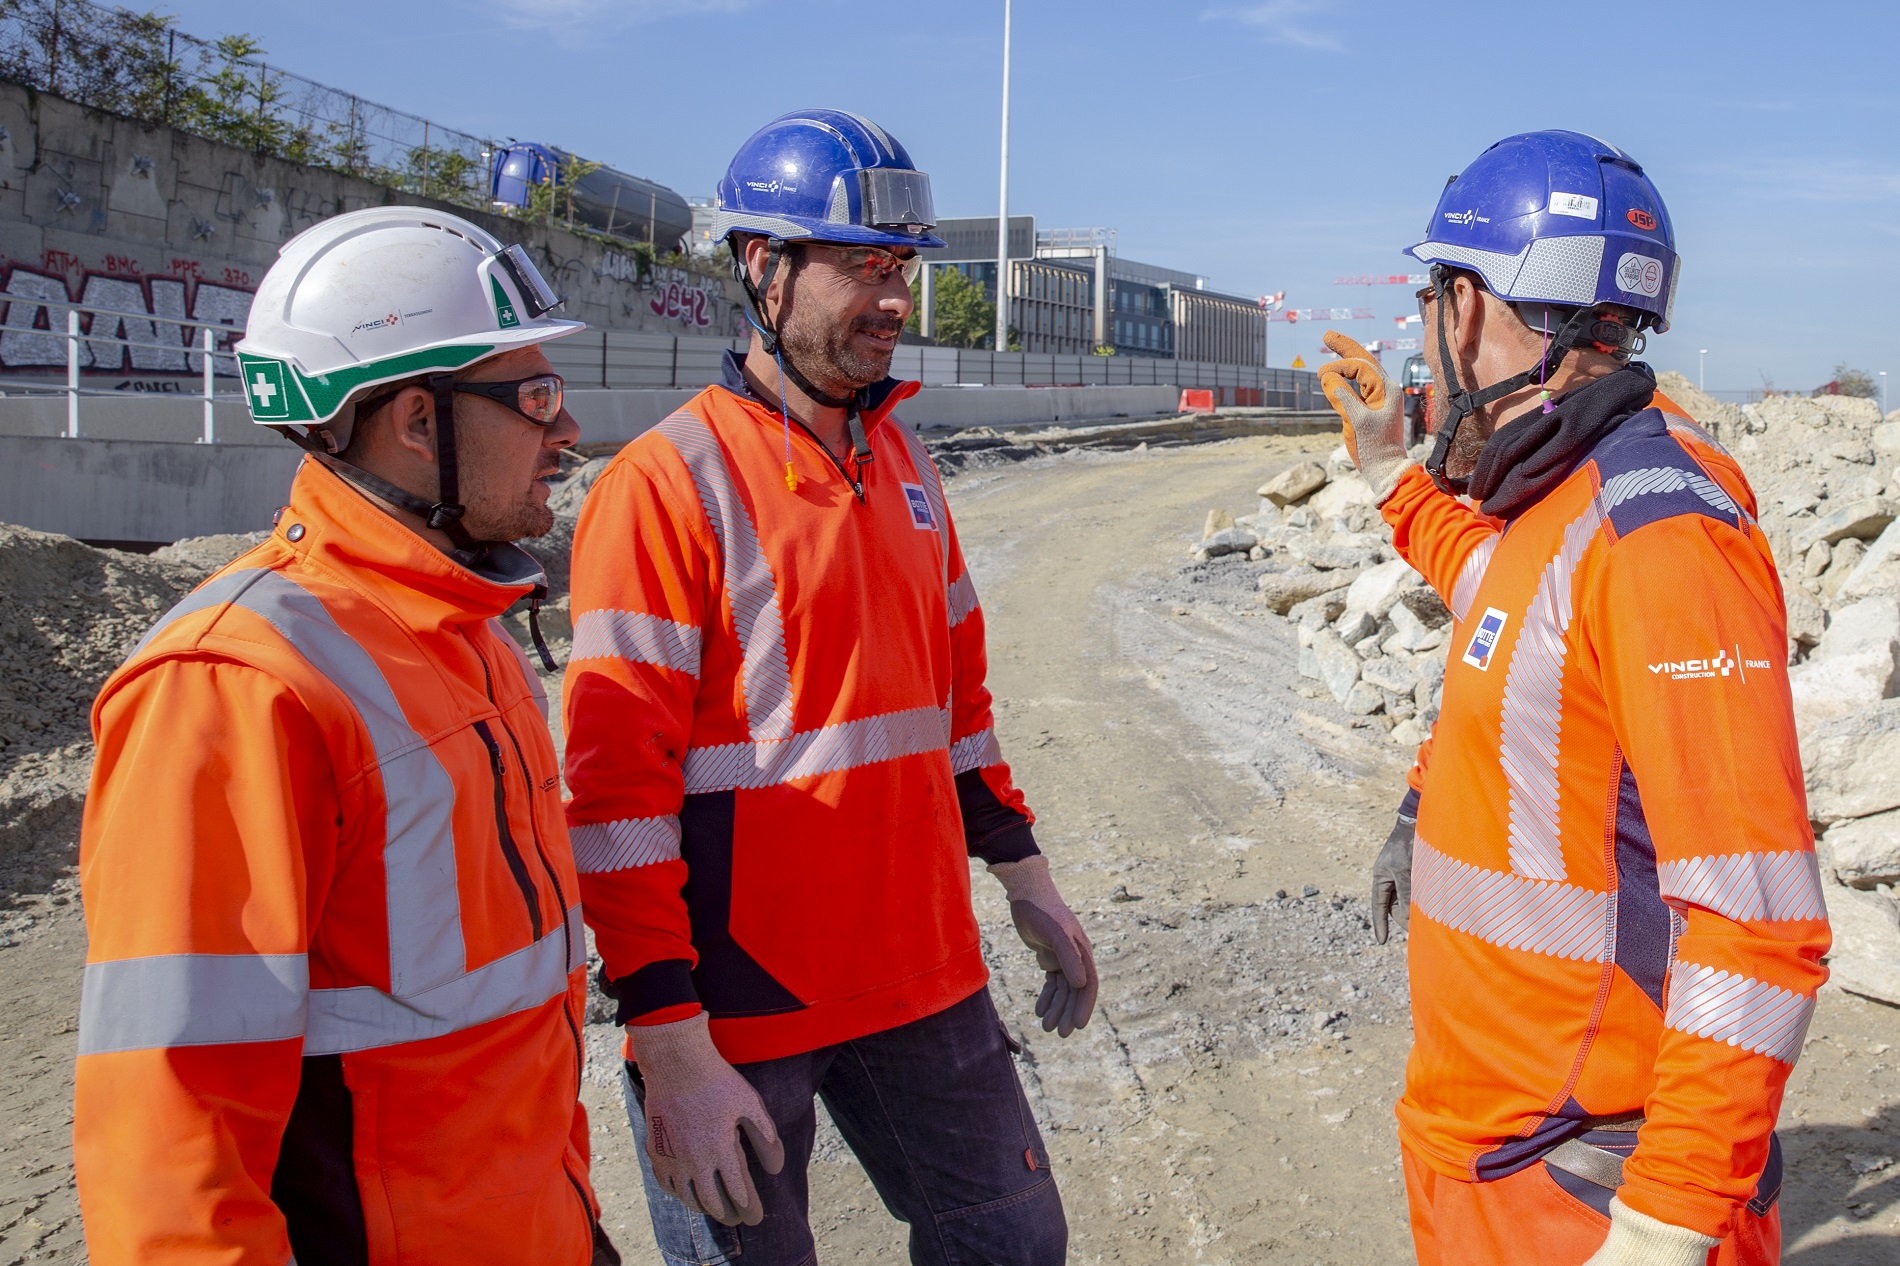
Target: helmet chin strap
x=1461, y=403
x=444, y=514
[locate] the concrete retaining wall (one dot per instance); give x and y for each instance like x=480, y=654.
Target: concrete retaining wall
x=136, y=474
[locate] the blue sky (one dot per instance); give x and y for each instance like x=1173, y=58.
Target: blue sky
x=1270, y=146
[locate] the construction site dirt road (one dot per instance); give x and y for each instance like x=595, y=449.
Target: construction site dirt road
x=1211, y=815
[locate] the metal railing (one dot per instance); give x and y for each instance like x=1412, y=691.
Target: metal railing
x=619, y=359
x=141, y=66
x=79, y=341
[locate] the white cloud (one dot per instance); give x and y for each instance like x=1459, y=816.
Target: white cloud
x=1283, y=22
x=570, y=17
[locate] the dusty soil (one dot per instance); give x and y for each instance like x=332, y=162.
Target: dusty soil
x=1231, y=1102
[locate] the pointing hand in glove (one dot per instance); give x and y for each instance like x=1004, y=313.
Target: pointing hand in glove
x=1049, y=927
x=1373, y=412
x=696, y=1106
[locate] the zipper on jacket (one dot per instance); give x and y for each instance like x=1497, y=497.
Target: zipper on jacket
x=516, y=865
x=540, y=851
x=857, y=429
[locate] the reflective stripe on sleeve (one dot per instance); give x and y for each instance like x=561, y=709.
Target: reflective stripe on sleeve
x=974, y=751
x=1748, y=886
x=638, y=637
x=1505, y=909
x=751, y=589
x=602, y=847
x=172, y=1000
x=362, y=1018
x=1724, y=1007
x=1471, y=575
x=888, y=736
x=962, y=599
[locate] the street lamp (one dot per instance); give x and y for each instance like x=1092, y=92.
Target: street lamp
x=1701, y=380
x=1002, y=211
x=1883, y=392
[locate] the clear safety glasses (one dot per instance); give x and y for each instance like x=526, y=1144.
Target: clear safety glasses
x=537, y=399
x=871, y=265
x=529, y=284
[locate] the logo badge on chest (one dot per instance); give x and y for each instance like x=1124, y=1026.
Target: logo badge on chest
x=921, y=517
x=1485, y=640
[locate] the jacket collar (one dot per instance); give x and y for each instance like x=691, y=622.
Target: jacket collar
x=1529, y=456
x=345, y=532
x=878, y=399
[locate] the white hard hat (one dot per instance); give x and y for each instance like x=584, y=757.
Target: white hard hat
x=380, y=295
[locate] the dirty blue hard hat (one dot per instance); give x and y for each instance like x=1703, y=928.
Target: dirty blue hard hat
x=1560, y=218
x=826, y=176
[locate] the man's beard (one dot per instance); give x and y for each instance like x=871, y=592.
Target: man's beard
x=827, y=356
x=511, y=519
x=1474, y=431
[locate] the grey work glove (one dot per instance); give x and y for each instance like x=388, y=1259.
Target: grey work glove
x=1392, y=878
x=1049, y=927
x=1636, y=1239
x=696, y=1105
x=1373, y=412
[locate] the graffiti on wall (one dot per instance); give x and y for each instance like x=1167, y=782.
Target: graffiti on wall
x=682, y=296
x=33, y=334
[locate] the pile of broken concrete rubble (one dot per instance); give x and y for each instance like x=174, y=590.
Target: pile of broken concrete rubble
x=1826, y=474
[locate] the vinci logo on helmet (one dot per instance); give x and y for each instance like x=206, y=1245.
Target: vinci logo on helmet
x=1485, y=640
x=1639, y=274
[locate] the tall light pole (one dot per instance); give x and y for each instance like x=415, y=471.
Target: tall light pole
x=1002, y=211
x=1701, y=381
x=1883, y=392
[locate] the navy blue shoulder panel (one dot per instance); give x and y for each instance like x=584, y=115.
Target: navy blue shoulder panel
x=1646, y=475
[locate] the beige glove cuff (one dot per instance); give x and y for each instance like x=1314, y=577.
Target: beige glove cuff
x=1384, y=477
x=1636, y=1239
x=675, y=1052
x=1028, y=880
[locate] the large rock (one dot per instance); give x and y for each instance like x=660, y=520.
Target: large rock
x=1330, y=556
x=1378, y=588
x=1227, y=540
x=1865, y=958
x=1861, y=519
x=1279, y=591
x=1340, y=496
x=1394, y=676
x=1413, y=633
x=1878, y=570
x=1865, y=852
x=1806, y=619
x=1853, y=763
x=1855, y=664
x=1338, y=665
x=1363, y=699
x=1294, y=484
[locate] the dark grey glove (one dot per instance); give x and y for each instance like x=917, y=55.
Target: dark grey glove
x=1392, y=878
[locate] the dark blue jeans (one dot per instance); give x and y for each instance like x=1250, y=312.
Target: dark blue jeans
x=935, y=1114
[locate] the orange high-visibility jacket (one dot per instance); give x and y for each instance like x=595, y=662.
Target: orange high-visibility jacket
x=1616, y=906
x=335, y=976
x=775, y=701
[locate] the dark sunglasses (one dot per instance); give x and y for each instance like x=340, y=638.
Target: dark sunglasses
x=537, y=399
x=871, y=265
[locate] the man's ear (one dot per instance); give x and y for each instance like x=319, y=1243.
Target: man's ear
x=410, y=423
x=1467, y=318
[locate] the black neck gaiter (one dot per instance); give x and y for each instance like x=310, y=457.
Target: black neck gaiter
x=1534, y=452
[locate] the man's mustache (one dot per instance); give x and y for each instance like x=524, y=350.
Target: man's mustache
x=878, y=325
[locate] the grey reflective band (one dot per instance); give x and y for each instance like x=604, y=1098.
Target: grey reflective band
x=362, y=1018
x=536, y=294
x=895, y=197
x=170, y=1000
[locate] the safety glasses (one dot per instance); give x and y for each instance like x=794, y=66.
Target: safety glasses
x=871, y=265
x=537, y=399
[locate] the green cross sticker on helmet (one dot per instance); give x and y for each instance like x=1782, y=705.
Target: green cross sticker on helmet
x=264, y=384
x=504, y=310
x=320, y=331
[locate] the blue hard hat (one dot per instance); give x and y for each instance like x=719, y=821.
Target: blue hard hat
x=1560, y=218
x=828, y=176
